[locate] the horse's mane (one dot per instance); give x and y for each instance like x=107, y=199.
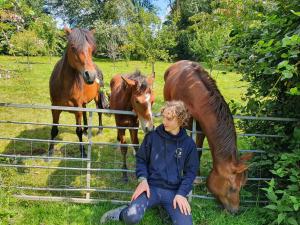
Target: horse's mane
x=142, y=84
x=225, y=133
x=78, y=38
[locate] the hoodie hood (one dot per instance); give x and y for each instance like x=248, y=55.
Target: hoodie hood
x=164, y=134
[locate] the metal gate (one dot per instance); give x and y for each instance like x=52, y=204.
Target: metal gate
x=33, y=175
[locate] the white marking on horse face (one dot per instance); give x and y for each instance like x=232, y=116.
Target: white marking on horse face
x=148, y=99
x=147, y=123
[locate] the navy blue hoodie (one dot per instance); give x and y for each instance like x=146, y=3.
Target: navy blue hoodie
x=168, y=161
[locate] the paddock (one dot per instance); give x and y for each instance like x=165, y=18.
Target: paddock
x=98, y=178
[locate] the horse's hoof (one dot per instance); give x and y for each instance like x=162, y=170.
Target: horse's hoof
x=50, y=154
x=85, y=133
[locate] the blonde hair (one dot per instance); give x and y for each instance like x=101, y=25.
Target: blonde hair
x=178, y=110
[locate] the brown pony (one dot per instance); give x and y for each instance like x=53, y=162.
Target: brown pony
x=75, y=80
x=131, y=93
x=189, y=82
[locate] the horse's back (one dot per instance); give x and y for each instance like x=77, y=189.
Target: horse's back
x=184, y=80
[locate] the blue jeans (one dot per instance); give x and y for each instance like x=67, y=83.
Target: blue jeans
x=158, y=196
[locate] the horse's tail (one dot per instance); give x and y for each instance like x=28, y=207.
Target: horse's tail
x=103, y=100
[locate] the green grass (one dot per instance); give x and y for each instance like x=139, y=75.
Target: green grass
x=30, y=86
x=36, y=213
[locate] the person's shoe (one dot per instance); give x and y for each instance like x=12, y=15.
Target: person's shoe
x=113, y=214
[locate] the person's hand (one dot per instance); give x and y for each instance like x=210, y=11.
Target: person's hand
x=183, y=204
x=142, y=187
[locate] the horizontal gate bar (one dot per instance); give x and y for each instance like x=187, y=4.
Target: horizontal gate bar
x=64, y=108
x=66, y=168
x=43, y=157
x=66, y=125
x=66, y=199
x=71, y=189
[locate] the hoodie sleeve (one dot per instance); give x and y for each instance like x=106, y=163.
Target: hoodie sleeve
x=142, y=157
x=191, y=166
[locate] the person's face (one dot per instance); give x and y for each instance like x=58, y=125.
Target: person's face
x=170, y=122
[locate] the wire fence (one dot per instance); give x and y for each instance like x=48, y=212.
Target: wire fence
x=65, y=176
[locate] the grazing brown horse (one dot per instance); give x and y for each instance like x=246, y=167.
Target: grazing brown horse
x=75, y=80
x=189, y=82
x=131, y=93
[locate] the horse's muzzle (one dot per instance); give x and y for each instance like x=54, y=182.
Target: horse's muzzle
x=89, y=77
x=147, y=129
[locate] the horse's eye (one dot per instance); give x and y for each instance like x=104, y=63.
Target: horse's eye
x=232, y=190
x=137, y=102
x=73, y=49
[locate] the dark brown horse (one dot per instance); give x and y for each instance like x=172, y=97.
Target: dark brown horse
x=75, y=80
x=189, y=82
x=131, y=93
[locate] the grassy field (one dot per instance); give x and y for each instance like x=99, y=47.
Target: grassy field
x=29, y=85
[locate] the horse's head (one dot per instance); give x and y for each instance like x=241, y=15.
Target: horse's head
x=141, y=100
x=81, y=45
x=225, y=182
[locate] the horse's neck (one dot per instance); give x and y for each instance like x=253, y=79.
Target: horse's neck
x=220, y=151
x=125, y=98
x=68, y=75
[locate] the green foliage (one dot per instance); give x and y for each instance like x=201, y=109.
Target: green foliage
x=210, y=33
x=26, y=43
x=180, y=14
x=149, y=39
x=45, y=28
x=264, y=46
x=17, y=15
x=110, y=38
x=284, y=196
x=84, y=13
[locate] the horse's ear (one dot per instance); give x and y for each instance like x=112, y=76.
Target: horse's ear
x=67, y=30
x=128, y=81
x=240, y=168
x=246, y=157
x=93, y=31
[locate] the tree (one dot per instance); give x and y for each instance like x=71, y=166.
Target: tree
x=16, y=15
x=150, y=39
x=85, y=13
x=26, y=43
x=265, y=47
x=181, y=11
x=210, y=32
x=45, y=28
x=110, y=38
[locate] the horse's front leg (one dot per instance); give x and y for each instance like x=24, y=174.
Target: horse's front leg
x=54, y=130
x=134, y=139
x=84, y=121
x=199, y=143
x=100, y=100
x=100, y=130
x=79, y=132
x=122, y=140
